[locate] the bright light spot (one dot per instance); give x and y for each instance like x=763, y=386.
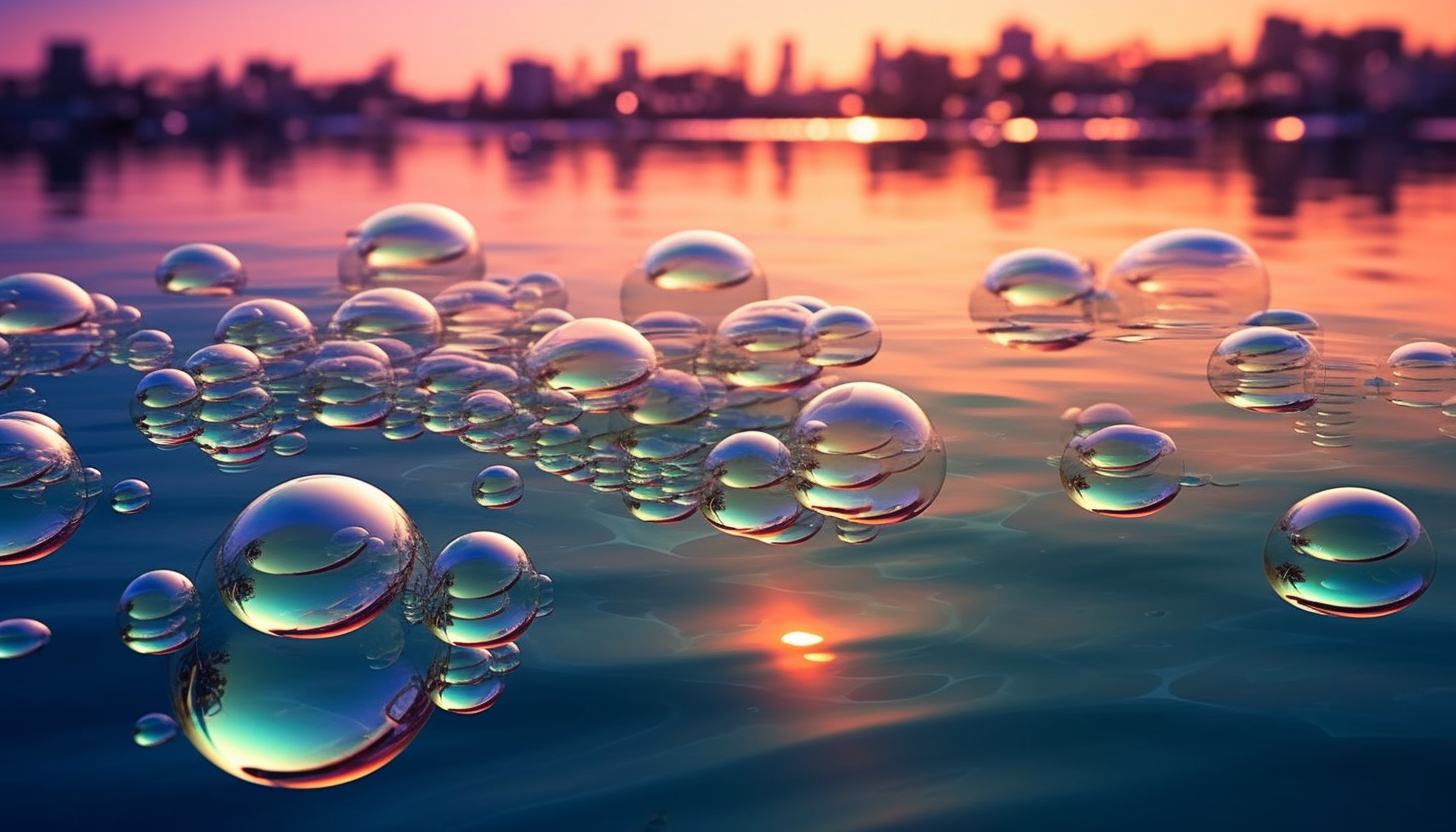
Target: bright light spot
x=863, y=129
x=1063, y=103
x=174, y=123
x=1010, y=67
x=819, y=657
x=817, y=130
x=851, y=105
x=1287, y=129
x=1116, y=103
x=998, y=110
x=627, y=102
x=954, y=106
x=799, y=638
x=1097, y=129
x=1019, y=130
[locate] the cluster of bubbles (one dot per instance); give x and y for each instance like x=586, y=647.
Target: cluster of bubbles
x=320, y=633
x=633, y=407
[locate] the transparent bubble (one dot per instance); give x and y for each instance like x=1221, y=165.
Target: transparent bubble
x=273, y=329
x=19, y=637
x=35, y=302
x=1265, y=369
x=413, y=245
x=160, y=612
x=38, y=418
x=763, y=344
x=166, y=388
x=388, y=313
x=466, y=680
x=130, y=496
x=477, y=313
x=483, y=593
x=348, y=387
x=1035, y=299
x=538, y=290
x=1419, y=374
x=1349, y=552
x=42, y=492
x=590, y=357
x=748, y=459
x=498, y=486
x=1291, y=319
x=704, y=274
x=842, y=336
x=855, y=533
x=201, y=269
x=677, y=336
x=223, y=363
x=751, y=512
x=316, y=556
x=668, y=397
x=147, y=350
x=292, y=443
x=1122, y=471
x=301, y=714
x=153, y=730
x=1189, y=277
x=1093, y=418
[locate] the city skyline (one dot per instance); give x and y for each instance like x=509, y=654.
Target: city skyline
x=444, y=52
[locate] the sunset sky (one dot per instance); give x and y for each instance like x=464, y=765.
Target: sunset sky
x=443, y=45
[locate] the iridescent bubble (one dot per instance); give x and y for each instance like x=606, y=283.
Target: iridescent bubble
x=591, y=358
x=763, y=344
x=1095, y=417
x=677, y=336
x=748, y=459
x=766, y=326
x=498, y=486
x=538, y=290
x=160, y=612
x=466, y=680
x=201, y=269
x=855, y=533
x=483, y=593
x=1035, y=299
x=1189, y=277
x=1265, y=369
x=292, y=443
x=1349, y=552
x=1419, y=374
x=348, y=385
x=668, y=397
x=153, y=729
x=130, y=496
x=1291, y=319
x=477, y=313
x=416, y=244
x=224, y=364
x=700, y=273
x=42, y=493
x=166, y=388
x=751, y=512
x=147, y=350
x=301, y=714
x=273, y=329
x=316, y=557
x=388, y=313
x=842, y=336
x=1122, y=471
x=36, y=302
x=20, y=637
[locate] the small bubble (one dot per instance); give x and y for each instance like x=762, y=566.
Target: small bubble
x=1419, y=374
x=159, y=612
x=498, y=486
x=593, y=358
x=1093, y=418
x=20, y=637
x=153, y=729
x=130, y=496
x=201, y=269
x=147, y=350
x=467, y=681
x=388, y=312
x=484, y=591
x=292, y=443
x=1122, y=471
x=699, y=273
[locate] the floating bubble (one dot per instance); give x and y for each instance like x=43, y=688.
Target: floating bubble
x=148, y=349
x=36, y=302
x=1265, y=369
x=1095, y=417
x=166, y=388
x=42, y=492
x=201, y=269
x=749, y=459
x=130, y=496
x=153, y=729
x=498, y=486
x=466, y=680
x=592, y=358
x=301, y=714
x=1122, y=471
x=273, y=329
x=1419, y=374
x=483, y=591
x=1036, y=299
x=416, y=244
x=763, y=344
x=842, y=336
x=668, y=397
x=751, y=512
x=292, y=443
x=159, y=612
x=677, y=336
x=316, y=557
x=19, y=637
x=1189, y=277
x=704, y=274
x=388, y=313
x=1291, y=319
x=477, y=314
x=348, y=385
x=224, y=364
x=1349, y=552
x=855, y=533
x=537, y=290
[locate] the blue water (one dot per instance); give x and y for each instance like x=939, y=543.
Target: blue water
x=1004, y=661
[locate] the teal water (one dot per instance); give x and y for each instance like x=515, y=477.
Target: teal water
x=1004, y=661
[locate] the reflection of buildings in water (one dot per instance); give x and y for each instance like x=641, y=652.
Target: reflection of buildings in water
x=783, y=157
x=529, y=159
x=267, y=160
x=1376, y=169
x=931, y=158
x=626, y=160
x=66, y=168
x=1278, y=168
x=1009, y=166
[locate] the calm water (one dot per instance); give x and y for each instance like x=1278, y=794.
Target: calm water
x=1004, y=661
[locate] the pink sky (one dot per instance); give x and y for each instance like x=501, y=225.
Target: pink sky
x=443, y=45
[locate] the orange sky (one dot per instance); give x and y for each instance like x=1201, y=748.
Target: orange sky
x=442, y=45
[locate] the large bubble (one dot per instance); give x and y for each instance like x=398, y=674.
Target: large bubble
x=201, y=269
x=1265, y=369
x=1122, y=471
x=415, y=245
x=1188, y=277
x=316, y=556
x=35, y=302
x=42, y=492
x=483, y=591
x=1035, y=299
x=19, y=637
x=591, y=358
x=704, y=274
x=1349, y=552
x=388, y=312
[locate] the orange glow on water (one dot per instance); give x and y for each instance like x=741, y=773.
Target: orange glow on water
x=1019, y=130
x=1287, y=129
x=819, y=658
x=799, y=638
